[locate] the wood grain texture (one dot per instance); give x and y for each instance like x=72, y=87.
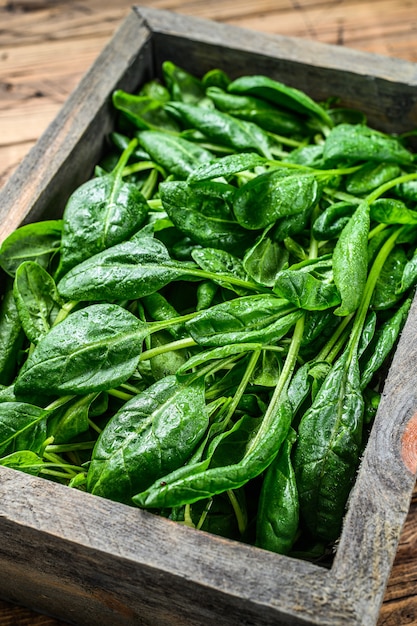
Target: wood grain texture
x=37, y=39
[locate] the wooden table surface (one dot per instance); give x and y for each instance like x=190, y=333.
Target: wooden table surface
x=47, y=45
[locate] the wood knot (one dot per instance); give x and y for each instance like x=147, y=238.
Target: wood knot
x=409, y=444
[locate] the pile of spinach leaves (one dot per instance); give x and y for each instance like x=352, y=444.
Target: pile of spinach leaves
x=205, y=332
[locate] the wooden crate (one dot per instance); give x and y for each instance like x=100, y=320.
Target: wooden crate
x=91, y=561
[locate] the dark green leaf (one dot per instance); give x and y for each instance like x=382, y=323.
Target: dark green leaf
x=32, y=242
x=280, y=94
x=37, y=300
x=187, y=208
x=99, y=214
x=350, y=143
x=144, y=111
x=328, y=449
x=227, y=166
x=350, y=260
x=265, y=260
x=275, y=194
x=222, y=128
x=128, y=270
x=175, y=154
x=151, y=435
x=22, y=427
x=11, y=336
x=278, y=511
x=264, y=319
x=93, y=349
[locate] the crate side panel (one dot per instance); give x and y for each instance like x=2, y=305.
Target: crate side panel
x=380, y=499
x=99, y=561
x=385, y=88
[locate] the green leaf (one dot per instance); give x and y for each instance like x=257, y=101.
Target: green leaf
x=265, y=259
x=37, y=300
x=198, y=215
x=306, y=291
x=350, y=260
x=23, y=461
x=222, y=128
x=99, y=214
x=392, y=211
x=183, y=86
x=226, y=166
x=275, y=194
x=258, y=111
x=197, y=481
x=350, y=143
x=131, y=269
x=328, y=449
x=175, y=154
x=93, y=349
x=223, y=263
x=11, y=336
x=278, y=511
x=280, y=94
x=22, y=427
x=151, y=435
x=144, y=111
x=261, y=319
x=71, y=419
x=32, y=242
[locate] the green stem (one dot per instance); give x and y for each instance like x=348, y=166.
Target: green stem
x=69, y=447
x=122, y=395
x=188, y=520
x=334, y=339
x=204, y=514
x=405, y=178
x=155, y=204
x=240, y=515
x=149, y=185
x=180, y=344
x=282, y=384
x=242, y=386
x=94, y=426
x=65, y=311
x=375, y=231
x=56, y=404
x=142, y=166
x=231, y=280
x=121, y=164
x=373, y=275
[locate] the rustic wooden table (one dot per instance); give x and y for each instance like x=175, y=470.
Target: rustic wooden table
x=46, y=46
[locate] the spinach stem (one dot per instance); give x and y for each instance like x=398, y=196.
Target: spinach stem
x=122, y=395
x=331, y=343
x=155, y=204
x=180, y=344
x=69, y=447
x=239, y=513
x=242, y=386
x=58, y=403
x=373, y=275
x=149, y=185
x=405, y=178
x=142, y=166
x=204, y=514
x=282, y=384
x=188, y=521
x=65, y=311
x=375, y=231
x=94, y=426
